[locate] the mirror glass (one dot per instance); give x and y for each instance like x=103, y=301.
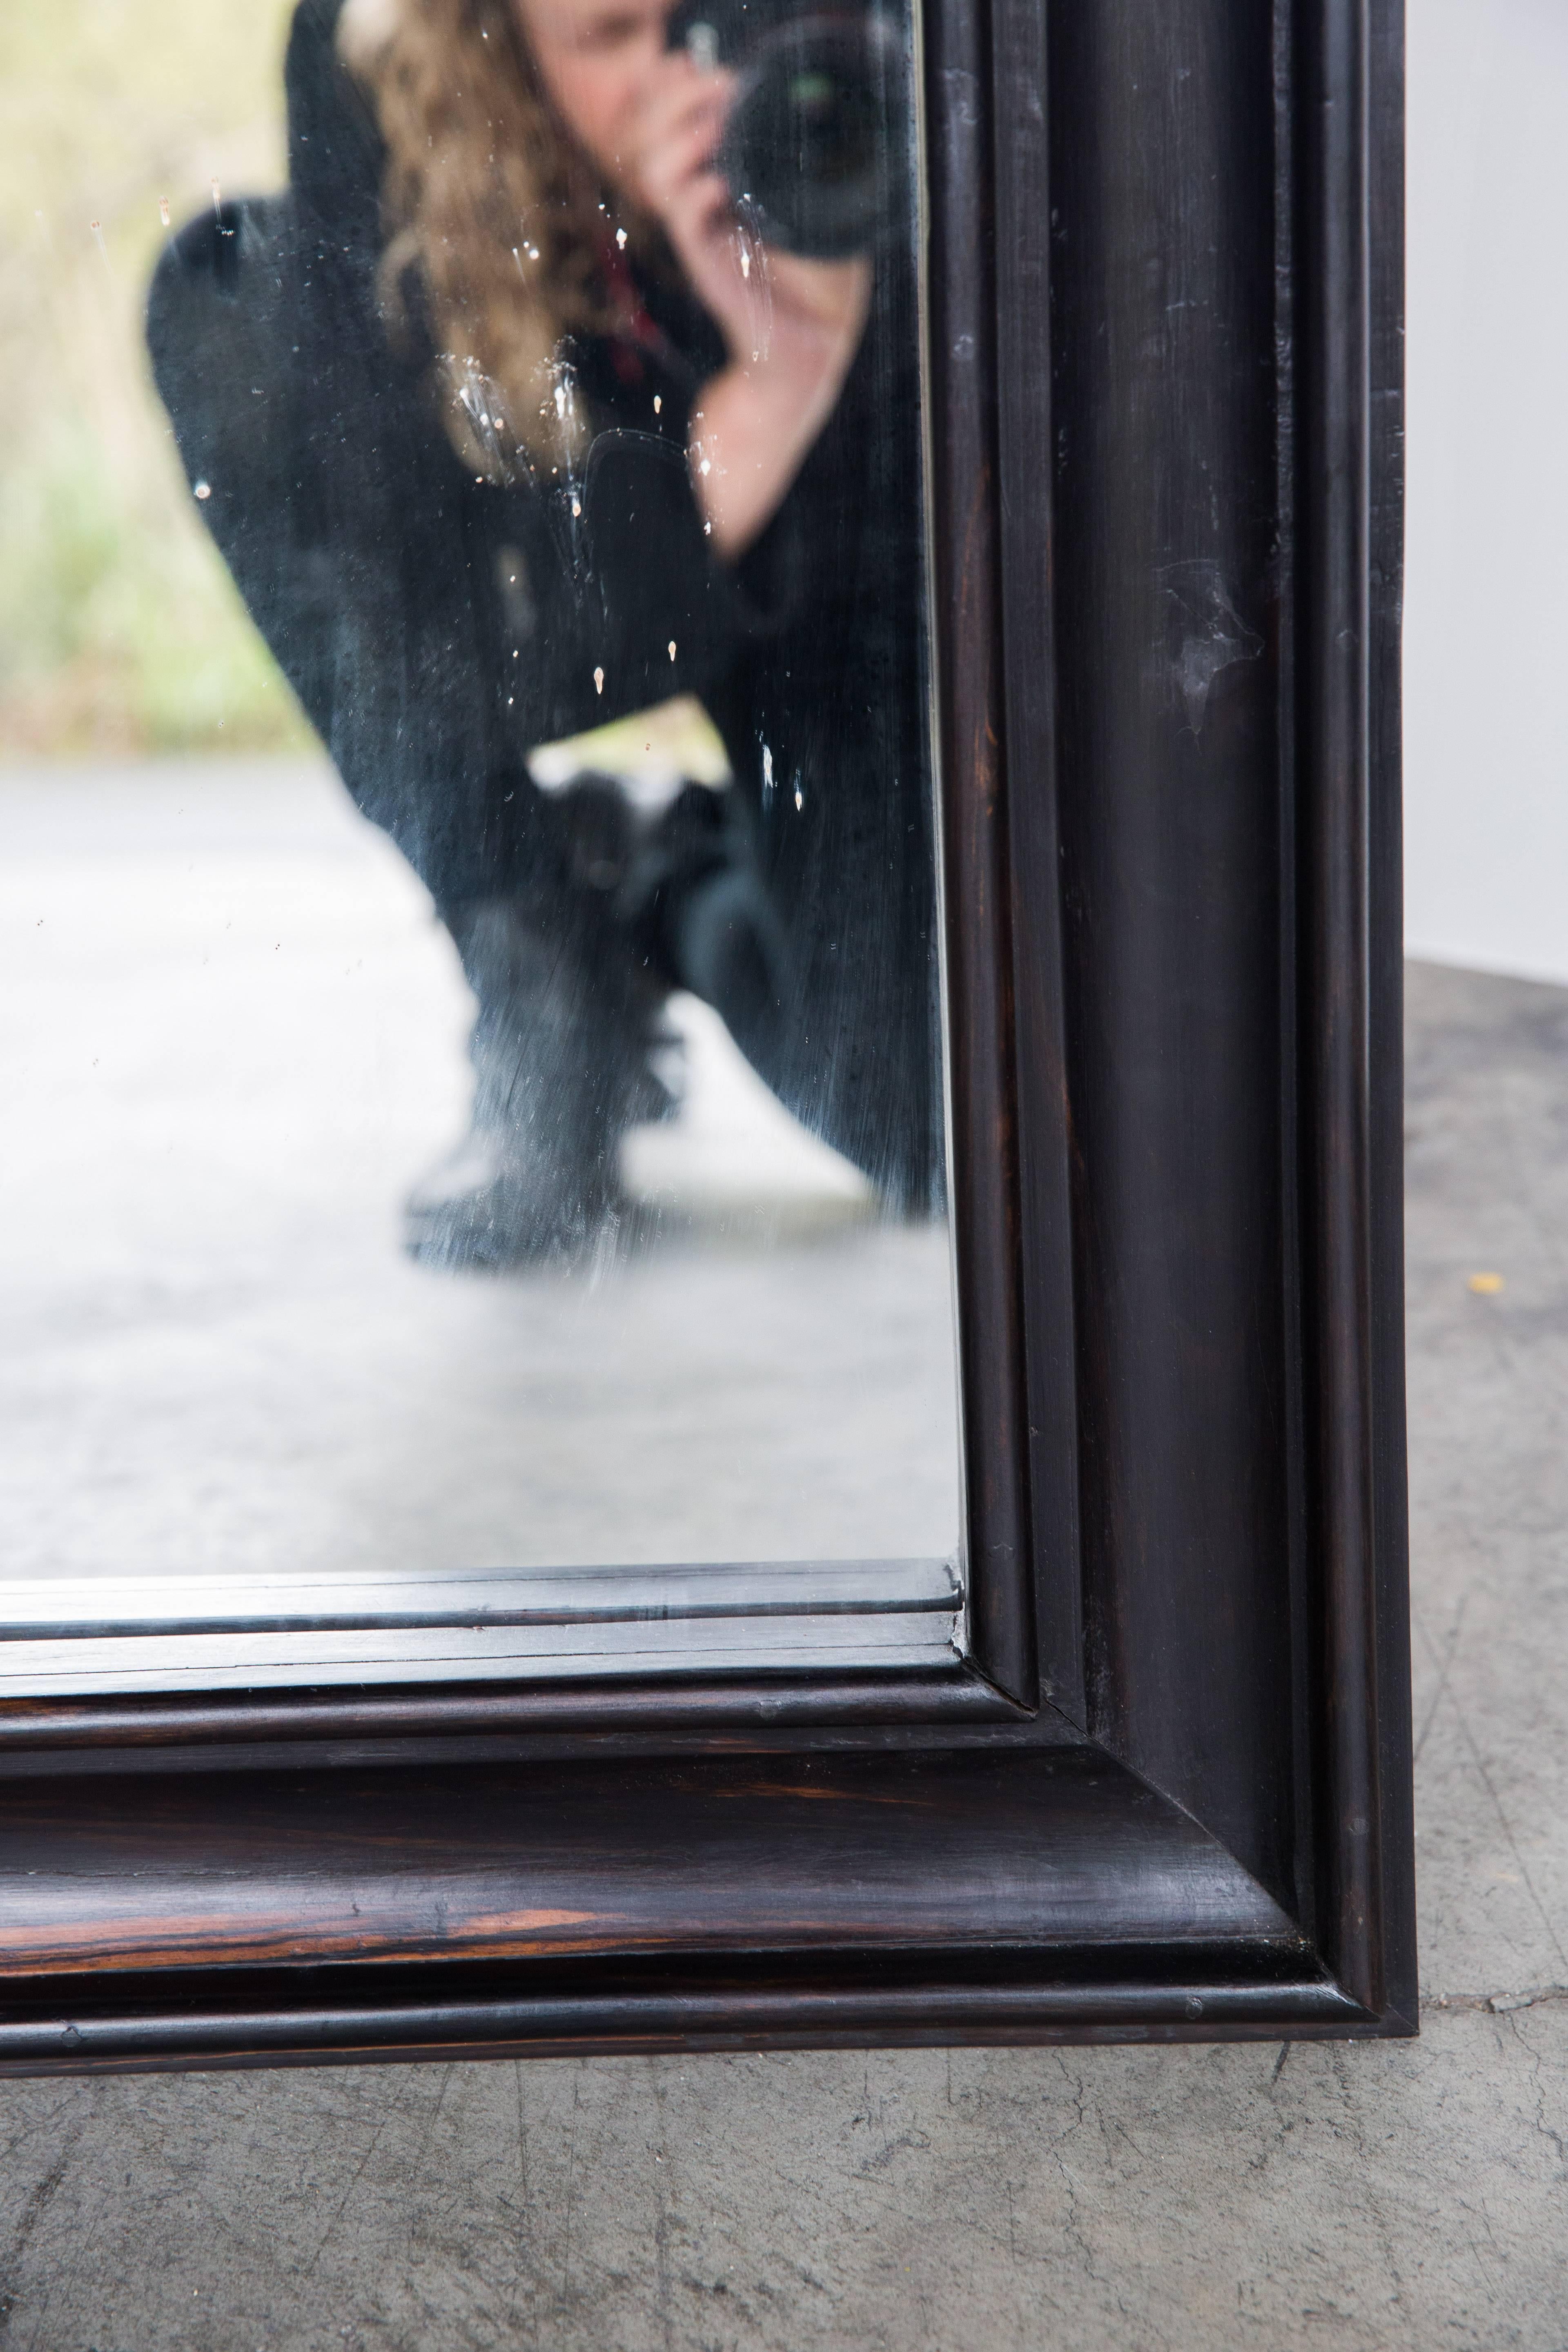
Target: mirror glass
x=471, y=1030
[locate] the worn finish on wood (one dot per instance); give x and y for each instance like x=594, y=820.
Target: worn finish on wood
x=675, y=1714
x=1167, y=2008
x=1387, y=1436
x=930, y=1853
x=838, y=1895
x=1027, y=545
x=1162, y=191
x=1348, y=62
x=967, y=603
x=1165, y=593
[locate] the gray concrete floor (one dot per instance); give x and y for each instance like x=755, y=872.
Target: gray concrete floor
x=1410, y=2195
x=231, y=1036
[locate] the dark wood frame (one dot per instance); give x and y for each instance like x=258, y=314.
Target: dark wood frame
x=1168, y=1795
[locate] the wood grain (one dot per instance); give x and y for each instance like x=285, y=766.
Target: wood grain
x=939, y=1852
x=1165, y=600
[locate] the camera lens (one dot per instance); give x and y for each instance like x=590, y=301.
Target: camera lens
x=815, y=150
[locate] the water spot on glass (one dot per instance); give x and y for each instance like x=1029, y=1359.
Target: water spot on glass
x=621, y=238
x=598, y=681
x=217, y=198
x=767, y=772
x=706, y=467
x=164, y=210
x=745, y=263
x=657, y=403
x=672, y=649
x=576, y=506
x=204, y=490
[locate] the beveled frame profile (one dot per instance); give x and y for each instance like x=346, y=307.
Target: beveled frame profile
x=1166, y=1792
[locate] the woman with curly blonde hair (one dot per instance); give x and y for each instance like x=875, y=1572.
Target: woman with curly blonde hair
x=510, y=424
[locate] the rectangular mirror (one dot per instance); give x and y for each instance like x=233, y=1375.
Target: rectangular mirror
x=510, y=1056
x=471, y=1025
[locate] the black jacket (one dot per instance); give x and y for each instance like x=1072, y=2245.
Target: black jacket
x=435, y=627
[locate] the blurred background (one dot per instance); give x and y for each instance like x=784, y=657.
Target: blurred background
x=120, y=632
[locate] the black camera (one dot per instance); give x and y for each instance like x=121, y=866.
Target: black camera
x=816, y=148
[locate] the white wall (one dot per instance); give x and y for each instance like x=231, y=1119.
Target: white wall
x=1485, y=647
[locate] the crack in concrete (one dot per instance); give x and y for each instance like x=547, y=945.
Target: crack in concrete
x=1461, y=1716
x=1543, y=2129
x=1498, y=2003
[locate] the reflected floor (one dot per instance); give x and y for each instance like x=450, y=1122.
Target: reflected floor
x=231, y=1036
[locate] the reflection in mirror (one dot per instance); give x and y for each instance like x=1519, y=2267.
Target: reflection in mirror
x=472, y=1039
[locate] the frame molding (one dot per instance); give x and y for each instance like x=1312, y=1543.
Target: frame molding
x=91, y=1636
x=1167, y=1795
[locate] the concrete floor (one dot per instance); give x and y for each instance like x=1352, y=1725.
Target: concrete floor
x=1404, y=2196
x=231, y=1036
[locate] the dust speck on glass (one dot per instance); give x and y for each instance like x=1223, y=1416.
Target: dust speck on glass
x=472, y=1043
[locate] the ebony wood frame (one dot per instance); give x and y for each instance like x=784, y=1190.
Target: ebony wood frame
x=1168, y=1794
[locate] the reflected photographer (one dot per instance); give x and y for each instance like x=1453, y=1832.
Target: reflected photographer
x=560, y=426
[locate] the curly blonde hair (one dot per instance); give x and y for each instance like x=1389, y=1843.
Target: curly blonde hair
x=495, y=215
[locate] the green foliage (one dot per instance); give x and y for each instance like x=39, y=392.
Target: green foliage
x=120, y=629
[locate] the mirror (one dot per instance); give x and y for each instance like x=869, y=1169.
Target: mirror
x=474, y=1160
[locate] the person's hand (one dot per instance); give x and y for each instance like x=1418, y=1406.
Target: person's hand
x=792, y=327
